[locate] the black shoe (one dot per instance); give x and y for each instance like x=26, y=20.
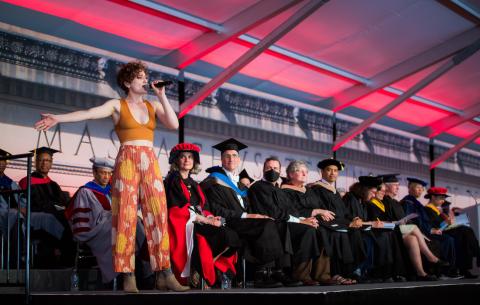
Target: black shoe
x=388, y=280
x=427, y=278
x=399, y=279
x=468, y=275
x=264, y=280
x=441, y=263
x=267, y=283
x=453, y=275
x=286, y=281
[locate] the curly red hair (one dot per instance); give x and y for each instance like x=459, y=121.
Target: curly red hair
x=128, y=72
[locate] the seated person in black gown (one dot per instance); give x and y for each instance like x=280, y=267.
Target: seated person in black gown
x=347, y=248
x=266, y=197
x=228, y=198
x=466, y=243
x=48, y=203
x=198, y=241
x=378, y=242
x=245, y=178
x=9, y=205
x=413, y=238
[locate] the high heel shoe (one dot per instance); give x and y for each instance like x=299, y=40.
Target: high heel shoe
x=441, y=263
x=427, y=278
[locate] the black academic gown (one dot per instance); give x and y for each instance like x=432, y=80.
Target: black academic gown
x=43, y=198
x=381, y=212
x=382, y=257
x=466, y=243
x=268, y=199
x=395, y=211
x=348, y=248
x=261, y=235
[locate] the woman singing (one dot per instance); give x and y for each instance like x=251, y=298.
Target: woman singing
x=137, y=176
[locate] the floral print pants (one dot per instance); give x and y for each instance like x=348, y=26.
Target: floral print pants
x=137, y=178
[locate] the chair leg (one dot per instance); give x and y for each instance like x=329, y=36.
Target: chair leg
x=1, y=236
x=244, y=271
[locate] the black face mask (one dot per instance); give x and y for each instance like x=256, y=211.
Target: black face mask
x=271, y=175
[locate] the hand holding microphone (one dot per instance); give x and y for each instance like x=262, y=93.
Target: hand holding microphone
x=158, y=85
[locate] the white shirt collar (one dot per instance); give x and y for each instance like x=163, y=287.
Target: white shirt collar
x=232, y=175
x=325, y=181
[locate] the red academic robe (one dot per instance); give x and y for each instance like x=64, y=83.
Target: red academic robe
x=177, y=220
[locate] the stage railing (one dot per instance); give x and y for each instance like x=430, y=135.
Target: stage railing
x=27, y=194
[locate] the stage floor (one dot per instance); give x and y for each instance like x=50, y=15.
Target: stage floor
x=451, y=292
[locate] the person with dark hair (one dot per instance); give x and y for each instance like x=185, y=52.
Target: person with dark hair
x=245, y=178
x=298, y=233
x=137, y=177
x=229, y=199
x=466, y=243
x=380, y=247
x=198, y=240
x=376, y=210
x=48, y=221
x=10, y=203
x=348, y=249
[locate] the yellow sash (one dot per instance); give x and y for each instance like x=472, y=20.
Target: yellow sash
x=434, y=208
x=379, y=204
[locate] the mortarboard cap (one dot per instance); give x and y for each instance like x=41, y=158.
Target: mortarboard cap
x=230, y=144
x=102, y=163
x=44, y=149
x=4, y=153
x=214, y=169
x=369, y=181
x=389, y=178
x=243, y=174
x=418, y=181
x=327, y=162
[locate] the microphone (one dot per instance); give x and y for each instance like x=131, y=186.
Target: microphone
x=475, y=199
x=159, y=84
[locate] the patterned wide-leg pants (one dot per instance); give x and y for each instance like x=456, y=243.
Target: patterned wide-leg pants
x=137, y=178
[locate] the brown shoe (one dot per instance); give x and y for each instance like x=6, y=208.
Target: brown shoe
x=129, y=283
x=173, y=284
x=161, y=283
x=169, y=282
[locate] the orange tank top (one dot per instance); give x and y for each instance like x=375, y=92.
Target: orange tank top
x=128, y=129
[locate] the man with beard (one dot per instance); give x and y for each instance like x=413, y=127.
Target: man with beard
x=48, y=203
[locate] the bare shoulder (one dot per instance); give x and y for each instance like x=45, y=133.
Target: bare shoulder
x=114, y=102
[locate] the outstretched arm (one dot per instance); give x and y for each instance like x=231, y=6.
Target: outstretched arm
x=49, y=120
x=163, y=109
